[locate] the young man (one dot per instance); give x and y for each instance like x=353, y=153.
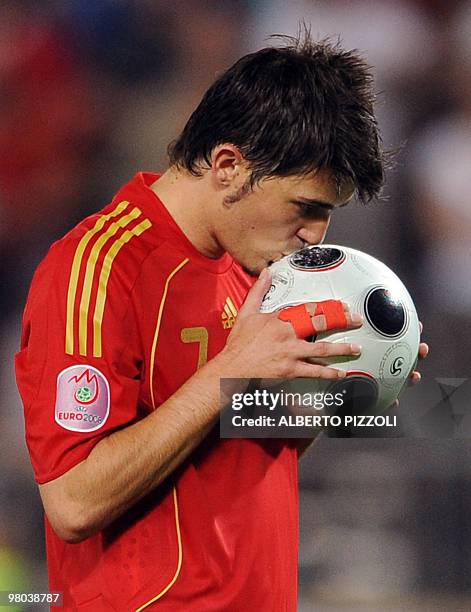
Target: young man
x=135, y=316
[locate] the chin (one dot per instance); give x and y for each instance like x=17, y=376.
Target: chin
x=254, y=267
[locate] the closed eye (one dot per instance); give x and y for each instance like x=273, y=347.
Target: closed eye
x=313, y=209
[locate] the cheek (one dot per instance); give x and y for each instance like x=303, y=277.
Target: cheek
x=266, y=227
x=276, y=226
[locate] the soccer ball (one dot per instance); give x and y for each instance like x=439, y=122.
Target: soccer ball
x=390, y=333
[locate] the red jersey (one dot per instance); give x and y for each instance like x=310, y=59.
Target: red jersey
x=120, y=314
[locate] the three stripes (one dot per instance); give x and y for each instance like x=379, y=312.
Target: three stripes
x=104, y=244
x=229, y=314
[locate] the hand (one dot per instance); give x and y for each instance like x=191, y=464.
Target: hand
x=262, y=346
x=415, y=377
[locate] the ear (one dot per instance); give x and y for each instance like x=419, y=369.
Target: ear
x=227, y=167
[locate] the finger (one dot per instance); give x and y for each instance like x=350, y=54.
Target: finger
x=414, y=378
x=329, y=349
x=312, y=370
x=256, y=294
x=312, y=306
x=331, y=314
x=423, y=350
x=354, y=320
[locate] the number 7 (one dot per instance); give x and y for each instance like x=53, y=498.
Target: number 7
x=200, y=335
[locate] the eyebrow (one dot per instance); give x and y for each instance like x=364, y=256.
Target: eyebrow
x=313, y=202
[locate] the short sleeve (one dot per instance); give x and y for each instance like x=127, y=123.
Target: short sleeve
x=79, y=367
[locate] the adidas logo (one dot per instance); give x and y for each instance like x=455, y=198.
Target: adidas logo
x=229, y=314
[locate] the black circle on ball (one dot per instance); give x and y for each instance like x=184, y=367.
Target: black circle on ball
x=384, y=313
x=316, y=258
x=359, y=395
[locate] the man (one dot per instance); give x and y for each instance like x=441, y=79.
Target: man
x=135, y=316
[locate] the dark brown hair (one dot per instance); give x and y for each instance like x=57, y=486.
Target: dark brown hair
x=291, y=110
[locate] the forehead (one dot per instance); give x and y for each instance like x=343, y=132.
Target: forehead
x=319, y=185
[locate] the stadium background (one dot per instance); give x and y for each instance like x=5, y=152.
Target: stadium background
x=91, y=92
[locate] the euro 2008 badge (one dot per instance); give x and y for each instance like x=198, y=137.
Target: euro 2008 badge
x=83, y=398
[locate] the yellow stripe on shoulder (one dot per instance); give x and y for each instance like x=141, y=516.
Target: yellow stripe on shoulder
x=75, y=270
x=103, y=281
x=90, y=272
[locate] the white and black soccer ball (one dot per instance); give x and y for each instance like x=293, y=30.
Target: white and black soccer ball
x=389, y=336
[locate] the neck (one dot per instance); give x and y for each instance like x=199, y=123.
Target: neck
x=187, y=199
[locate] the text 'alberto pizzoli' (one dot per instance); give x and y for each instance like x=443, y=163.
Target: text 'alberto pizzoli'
x=288, y=401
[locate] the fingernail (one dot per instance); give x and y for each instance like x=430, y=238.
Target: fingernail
x=341, y=373
x=357, y=319
x=355, y=348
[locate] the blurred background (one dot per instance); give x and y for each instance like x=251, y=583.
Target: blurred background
x=93, y=91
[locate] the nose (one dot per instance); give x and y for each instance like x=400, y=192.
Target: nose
x=313, y=232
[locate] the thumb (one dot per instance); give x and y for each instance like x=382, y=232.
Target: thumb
x=256, y=294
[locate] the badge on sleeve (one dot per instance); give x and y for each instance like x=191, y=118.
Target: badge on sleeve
x=83, y=398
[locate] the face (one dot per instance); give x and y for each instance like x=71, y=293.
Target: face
x=278, y=217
